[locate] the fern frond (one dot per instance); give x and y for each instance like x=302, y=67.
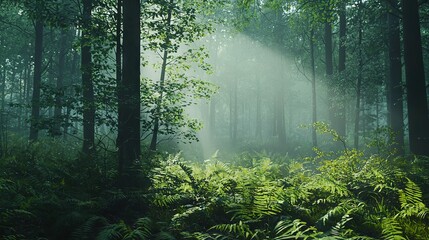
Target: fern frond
x=144, y=225
x=412, y=201
x=164, y=236
x=391, y=230
x=239, y=229
x=114, y=232
x=339, y=228
x=345, y=208
x=296, y=229
x=87, y=229
x=164, y=200
x=13, y=237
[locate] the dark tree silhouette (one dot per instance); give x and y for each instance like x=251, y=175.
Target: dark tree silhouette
x=396, y=111
x=35, y=102
x=129, y=97
x=87, y=83
x=418, y=122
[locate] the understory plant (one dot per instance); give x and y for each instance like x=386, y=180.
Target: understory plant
x=348, y=194
x=49, y=193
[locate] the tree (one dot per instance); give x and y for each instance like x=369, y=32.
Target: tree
x=87, y=83
x=359, y=78
x=60, y=82
x=340, y=123
x=418, y=122
x=395, y=82
x=329, y=64
x=37, y=79
x=129, y=94
x=171, y=26
x=166, y=49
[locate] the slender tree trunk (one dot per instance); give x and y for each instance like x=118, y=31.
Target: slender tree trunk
x=418, y=122
x=359, y=81
x=119, y=87
x=50, y=73
x=329, y=71
x=341, y=114
x=27, y=89
x=129, y=101
x=395, y=83
x=73, y=76
x=87, y=82
x=25, y=79
x=313, y=88
x=157, y=116
x=60, y=83
x=118, y=43
x=3, y=114
x=37, y=79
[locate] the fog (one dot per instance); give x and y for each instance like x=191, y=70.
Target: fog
x=259, y=90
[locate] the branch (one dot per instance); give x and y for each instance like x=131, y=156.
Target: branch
x=16, y=27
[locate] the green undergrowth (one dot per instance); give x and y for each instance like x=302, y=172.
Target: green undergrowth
x=48, y=192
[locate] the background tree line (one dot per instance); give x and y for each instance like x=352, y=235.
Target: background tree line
x=73, y=69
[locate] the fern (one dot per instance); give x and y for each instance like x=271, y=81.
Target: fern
x=164, y=200
x=343, y=210
x=13, y=237
x=264, y=201
x=121, y=231
x=239, y=230
x=411, y=201
x=143, y=225
x=114, y=232
x=87, y=229
x=296, y=229
x=392, y=230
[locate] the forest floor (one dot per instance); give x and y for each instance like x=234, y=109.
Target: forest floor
x=49, y=192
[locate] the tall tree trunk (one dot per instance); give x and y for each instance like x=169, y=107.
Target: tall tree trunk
x=118, y=61
x=73, y=77
x=359, y=80
x=395, y=83
x=87, y=82
x=3, y=113
x=313, y=88
x=341, y=113
x=129, y=101
x=157, y=116
x=418, y=122
x=60, y=83
x=37, y=79
x=329, y=71
x=118, y=44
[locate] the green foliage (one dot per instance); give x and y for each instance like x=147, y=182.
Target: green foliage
x=296, y=229
x=391, y=229
x=170, y=27
x=411, y=201
x=120, y=231
x=343, y=195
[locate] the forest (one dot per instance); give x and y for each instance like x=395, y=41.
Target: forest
x=214, y=119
